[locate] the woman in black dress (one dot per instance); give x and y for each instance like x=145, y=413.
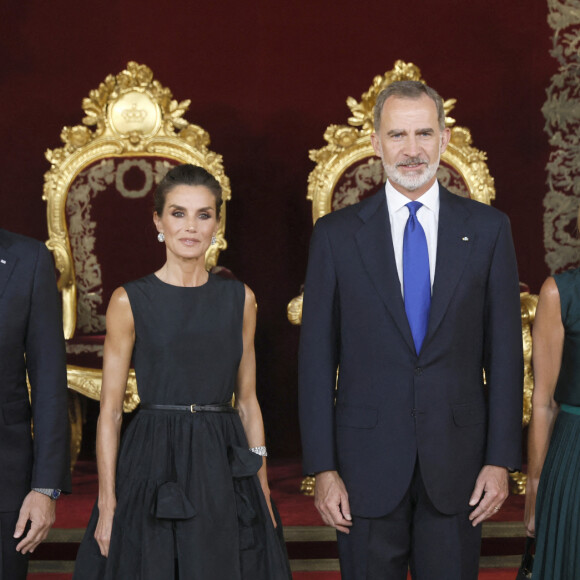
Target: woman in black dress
x=185, y=495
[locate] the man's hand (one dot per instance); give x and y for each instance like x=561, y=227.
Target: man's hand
x=490, y=491
x=331, y=500
x=40, y=510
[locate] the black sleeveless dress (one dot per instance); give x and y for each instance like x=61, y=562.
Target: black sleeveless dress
x=189, y=503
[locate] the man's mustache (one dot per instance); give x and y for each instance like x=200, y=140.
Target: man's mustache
x=411, y=161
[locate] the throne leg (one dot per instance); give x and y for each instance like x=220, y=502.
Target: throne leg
x=75, y=416
x=518, y=482
x=307, y=485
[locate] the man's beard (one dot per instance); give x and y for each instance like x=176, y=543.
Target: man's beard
x=412, y=182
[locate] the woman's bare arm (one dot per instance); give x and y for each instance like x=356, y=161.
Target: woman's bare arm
x=246, y=399
x=116, y=363
x=548, y=344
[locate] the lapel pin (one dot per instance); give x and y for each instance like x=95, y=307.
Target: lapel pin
x=465, y=239
x=2, y=261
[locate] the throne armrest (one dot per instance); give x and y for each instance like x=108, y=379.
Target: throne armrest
x=88, y=382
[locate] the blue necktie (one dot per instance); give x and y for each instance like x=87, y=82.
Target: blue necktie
x=416, y=276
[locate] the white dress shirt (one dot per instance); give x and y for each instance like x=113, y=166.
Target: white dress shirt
x=428, y=216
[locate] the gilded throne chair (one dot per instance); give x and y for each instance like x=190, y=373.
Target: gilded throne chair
x=348, y=171
x=99, y=194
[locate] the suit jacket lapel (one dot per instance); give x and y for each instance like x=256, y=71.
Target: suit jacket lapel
x=454, y=242
x=376, y=250
x=7, y=261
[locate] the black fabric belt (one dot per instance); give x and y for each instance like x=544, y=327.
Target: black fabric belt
x=212, y=408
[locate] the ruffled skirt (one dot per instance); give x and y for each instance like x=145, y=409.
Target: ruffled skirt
x=189, y=505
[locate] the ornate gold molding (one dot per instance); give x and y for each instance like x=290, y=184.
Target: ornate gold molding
x=528, y=304
x=349, y=144
x=88, y=382
x=307, y=485
x=518, y=483
x=294, y=310
x=130, y=114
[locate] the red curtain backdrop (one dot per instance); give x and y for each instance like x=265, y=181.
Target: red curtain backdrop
x=265, y=79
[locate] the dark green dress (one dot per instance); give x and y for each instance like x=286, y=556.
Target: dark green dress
x=558, y=501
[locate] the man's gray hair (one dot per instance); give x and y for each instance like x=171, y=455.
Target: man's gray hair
x=408, y=90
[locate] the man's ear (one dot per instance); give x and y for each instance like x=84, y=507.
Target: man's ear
x=445, y=137
x=376, y=143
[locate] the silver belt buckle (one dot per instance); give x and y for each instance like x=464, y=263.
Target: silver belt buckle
x=192, y=408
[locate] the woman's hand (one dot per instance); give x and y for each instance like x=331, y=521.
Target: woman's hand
x=104, y=529
x=530, y=509
x=266, y=490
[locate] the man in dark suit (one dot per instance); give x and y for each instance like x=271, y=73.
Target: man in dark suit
x=33, y=471
x=413, y=293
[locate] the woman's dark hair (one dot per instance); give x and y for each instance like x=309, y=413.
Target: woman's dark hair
x=187, y=174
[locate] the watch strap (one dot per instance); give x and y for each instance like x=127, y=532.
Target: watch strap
x=50, y=492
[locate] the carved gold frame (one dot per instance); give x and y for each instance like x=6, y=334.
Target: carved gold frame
x=88, y=382
x=128, y=114
x=528, y=304
x=349, y=144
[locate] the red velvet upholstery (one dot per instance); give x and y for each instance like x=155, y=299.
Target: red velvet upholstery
x=113, y=240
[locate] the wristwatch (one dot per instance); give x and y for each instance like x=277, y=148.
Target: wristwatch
x=51, y=493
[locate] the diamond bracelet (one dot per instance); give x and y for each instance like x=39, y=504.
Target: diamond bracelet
x=260, y=450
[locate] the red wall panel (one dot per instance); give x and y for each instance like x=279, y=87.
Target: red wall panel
x=265, y=79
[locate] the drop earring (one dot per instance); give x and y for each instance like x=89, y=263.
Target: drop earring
x=213, y=240
x=161, y=236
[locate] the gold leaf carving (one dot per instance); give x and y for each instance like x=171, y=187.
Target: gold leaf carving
x=528, y=303
x=294, y=310
x=195, y=136
x=341, y=135
x=77, y=136
x=348, y=158
x=461, y=137
x=88, y=382
x=362, y=112
x=349, y=144
x=128, y=114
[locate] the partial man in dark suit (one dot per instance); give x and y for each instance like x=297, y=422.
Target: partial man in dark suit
x=33, y=471
x=413, y=294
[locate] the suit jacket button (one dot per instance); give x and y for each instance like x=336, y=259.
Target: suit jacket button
x=418, y=371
